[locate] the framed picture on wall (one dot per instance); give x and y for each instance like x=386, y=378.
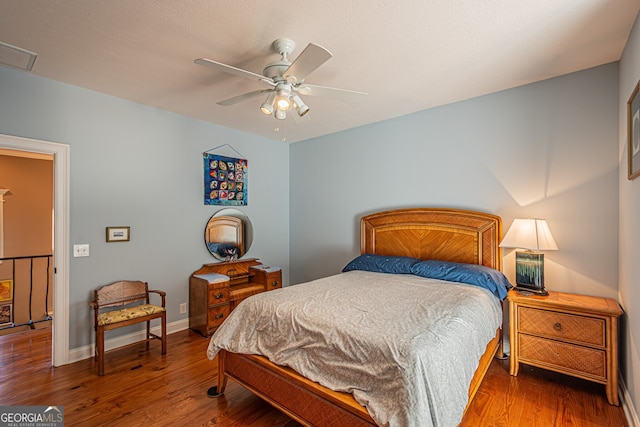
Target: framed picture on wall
x=118, y=234
x=633, y=131
x=6, y=291
x=6, y=314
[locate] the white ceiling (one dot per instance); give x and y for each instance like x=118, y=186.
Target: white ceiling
x=408, y=55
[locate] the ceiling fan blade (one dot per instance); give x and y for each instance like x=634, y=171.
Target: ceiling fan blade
x=233, y=70
x=234, y=100
x=311, y=58
x=331, y=92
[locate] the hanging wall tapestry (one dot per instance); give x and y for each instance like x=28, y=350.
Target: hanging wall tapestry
x=225, y=180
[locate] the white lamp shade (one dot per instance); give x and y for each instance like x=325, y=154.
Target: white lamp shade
x=532, y=234
x=267, y=106
x=280, y=114
x=301, y=107
x=282, y=100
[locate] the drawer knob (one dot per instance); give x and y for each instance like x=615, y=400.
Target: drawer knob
x=557, y=326
x=274, y=284
x=220, y=295
x=219, y=315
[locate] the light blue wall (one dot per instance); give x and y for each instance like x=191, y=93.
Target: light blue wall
x=546, y=150
x=142, y=167
x=629, y=229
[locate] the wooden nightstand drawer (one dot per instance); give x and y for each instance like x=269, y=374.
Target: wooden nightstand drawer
x=554, y=354
x=567, y=327
x=217, y=315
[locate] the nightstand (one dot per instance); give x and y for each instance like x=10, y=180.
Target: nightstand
x=568, y=333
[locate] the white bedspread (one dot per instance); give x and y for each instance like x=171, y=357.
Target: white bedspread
x=406, y=347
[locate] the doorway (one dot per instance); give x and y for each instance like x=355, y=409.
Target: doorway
x=26, y=238
x=60, y=152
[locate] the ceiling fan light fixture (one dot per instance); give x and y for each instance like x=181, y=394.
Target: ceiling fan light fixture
x=280, y=114
x=283, y=101
x=267, y=105
x=301, y=107
x=286, y=80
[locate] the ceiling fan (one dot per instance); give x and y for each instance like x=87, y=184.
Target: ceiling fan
x=286, y=80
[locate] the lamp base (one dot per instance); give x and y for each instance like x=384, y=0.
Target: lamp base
x=530, y=273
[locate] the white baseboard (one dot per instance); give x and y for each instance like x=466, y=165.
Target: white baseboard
x=627, y=404
x=88, y=351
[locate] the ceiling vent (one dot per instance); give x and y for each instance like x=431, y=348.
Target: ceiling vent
x=16, y=57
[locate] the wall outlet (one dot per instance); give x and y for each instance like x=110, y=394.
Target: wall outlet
x=183, y=308
x=80, y=250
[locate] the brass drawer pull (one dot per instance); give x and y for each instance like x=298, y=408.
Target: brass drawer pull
x=274, y=284
x=219, y=316
x=557, y=326
x=220, y=295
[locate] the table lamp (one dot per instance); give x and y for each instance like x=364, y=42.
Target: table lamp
x=532, y=235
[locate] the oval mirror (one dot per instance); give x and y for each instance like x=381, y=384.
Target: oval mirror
x=228, y=234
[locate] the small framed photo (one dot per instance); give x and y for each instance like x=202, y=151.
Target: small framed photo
x=6, y=290
x=633, y=133
x=6, y=314
x=118, y=234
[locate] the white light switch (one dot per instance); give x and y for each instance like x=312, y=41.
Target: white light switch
x=80, y=250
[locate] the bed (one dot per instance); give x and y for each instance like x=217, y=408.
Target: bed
x=448, y=236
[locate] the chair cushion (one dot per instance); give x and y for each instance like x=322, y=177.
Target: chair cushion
x=116, y=316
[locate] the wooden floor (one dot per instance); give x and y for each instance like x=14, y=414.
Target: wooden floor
x=144, y=388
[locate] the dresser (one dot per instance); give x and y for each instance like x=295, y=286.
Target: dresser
x=216, y=289
x=568, y=333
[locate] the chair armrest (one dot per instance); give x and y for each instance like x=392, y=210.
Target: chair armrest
x=161, y=293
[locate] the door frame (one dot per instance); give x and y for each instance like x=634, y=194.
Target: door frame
x=60, y=152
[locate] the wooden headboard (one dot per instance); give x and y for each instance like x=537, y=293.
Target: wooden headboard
x=434, y=233
x=226, y=229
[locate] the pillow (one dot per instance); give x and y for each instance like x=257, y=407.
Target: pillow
x=471, y=274
x=382, y=264
x=223, y=251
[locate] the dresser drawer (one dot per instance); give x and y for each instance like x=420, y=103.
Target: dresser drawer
x=273, y=280
x=549, y=353
x=217, y=315
x=563, y=326
x=218, y=296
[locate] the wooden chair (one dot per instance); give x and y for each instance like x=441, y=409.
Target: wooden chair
x=133, y=297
